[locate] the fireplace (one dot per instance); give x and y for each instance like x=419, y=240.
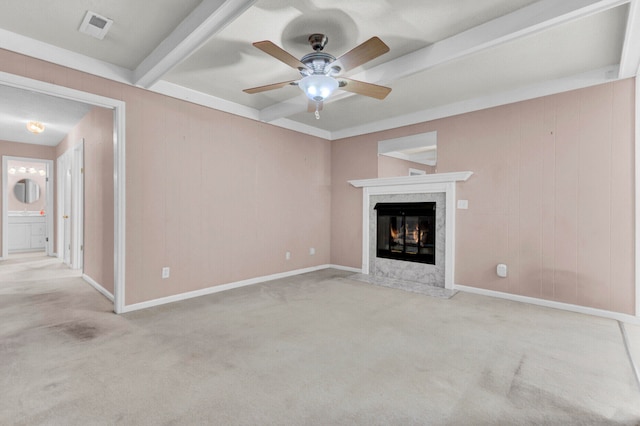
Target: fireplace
x=407, y=231
x=438, y=189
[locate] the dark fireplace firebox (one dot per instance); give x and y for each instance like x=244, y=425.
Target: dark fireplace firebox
x=407, y=231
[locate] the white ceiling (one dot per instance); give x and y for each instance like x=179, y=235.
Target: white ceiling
x=18, y=107
x=446, y=57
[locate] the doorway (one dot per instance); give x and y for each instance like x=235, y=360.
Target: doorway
x=70, y=214
x=118, y=108
x=27, y=205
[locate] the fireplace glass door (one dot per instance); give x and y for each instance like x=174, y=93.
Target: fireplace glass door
x=406, y=231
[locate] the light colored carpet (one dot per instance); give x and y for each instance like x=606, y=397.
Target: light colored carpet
x=317, y=349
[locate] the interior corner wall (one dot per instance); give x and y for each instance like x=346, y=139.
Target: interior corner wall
x=15, y=149
x=96, y=128
x=552, y=195
x=216, y=197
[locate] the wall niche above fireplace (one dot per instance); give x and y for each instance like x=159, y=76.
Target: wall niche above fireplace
x=407, y=231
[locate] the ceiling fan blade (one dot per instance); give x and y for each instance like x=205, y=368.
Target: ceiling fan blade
x=362, y=88
x=280, y=54
x=361, y=54
x=267, y=87
x=312, y=105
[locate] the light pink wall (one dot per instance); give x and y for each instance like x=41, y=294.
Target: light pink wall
x=392, y=167
x=216, y=197
x=551, y=196
x=540, y=168
x=219, y=198
x=14, y=149
x=96, y=128
x=353, y=158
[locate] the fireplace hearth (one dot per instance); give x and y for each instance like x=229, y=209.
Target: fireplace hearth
x=407, y=231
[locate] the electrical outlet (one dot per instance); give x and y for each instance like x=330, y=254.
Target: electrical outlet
x=287, y=255
x=165, y=272
x=312, y=251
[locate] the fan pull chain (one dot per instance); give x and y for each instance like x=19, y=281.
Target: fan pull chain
x=317, y=111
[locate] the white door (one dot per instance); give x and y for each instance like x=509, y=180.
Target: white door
x=77, y=207
x=66, y=215
x=71, y=206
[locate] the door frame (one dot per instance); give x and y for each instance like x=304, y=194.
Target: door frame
x=73, y=159
x=5, y=202
x=119, y=127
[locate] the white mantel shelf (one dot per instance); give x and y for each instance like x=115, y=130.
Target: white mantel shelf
x=413, y=180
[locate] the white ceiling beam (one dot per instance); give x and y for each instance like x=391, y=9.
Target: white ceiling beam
x=630, y=59
x=210, y=17
x=536, y=17
x=200, y=98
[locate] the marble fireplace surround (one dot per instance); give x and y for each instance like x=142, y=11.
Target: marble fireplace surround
x=413, y=188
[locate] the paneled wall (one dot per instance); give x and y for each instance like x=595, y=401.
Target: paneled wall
x=215, y=197
x=551, y=196
x=219, y=198
x=96, y=128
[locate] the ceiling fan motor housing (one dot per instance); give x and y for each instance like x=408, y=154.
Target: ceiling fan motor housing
x=318, y=62
x=318, y=41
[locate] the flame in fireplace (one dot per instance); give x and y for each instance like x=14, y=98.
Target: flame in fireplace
x=394, y=232
x=415, y=235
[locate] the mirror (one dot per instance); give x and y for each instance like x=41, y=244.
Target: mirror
x=408, y=155
x=27, y=191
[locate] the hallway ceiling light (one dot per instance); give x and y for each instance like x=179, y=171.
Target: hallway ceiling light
x=35, y=127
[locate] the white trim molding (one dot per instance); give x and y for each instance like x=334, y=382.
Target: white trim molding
x=413, y=180
x=93, y=283
x=617, y=316
x=423, y=184
x=637, y=194
x=229, y=286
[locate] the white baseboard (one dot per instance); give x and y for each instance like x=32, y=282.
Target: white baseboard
x=97, y=286
x=491, y=293
x=345, y=268
x=224, y=287
x=551, y=304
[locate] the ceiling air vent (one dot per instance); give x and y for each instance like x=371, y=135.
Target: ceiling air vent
x=95, y=25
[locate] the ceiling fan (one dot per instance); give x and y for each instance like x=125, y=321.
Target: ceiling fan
x=321, y=71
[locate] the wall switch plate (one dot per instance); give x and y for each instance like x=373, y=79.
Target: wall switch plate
x=165, y=272
x=463, y=204
x=501, y=270
x=312, y=251
x=287, y=255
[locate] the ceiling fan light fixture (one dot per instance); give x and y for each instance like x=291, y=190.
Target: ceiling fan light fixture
x=35, y=127
x=318, y=87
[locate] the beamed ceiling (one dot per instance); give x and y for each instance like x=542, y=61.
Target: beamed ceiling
x=446, y=56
